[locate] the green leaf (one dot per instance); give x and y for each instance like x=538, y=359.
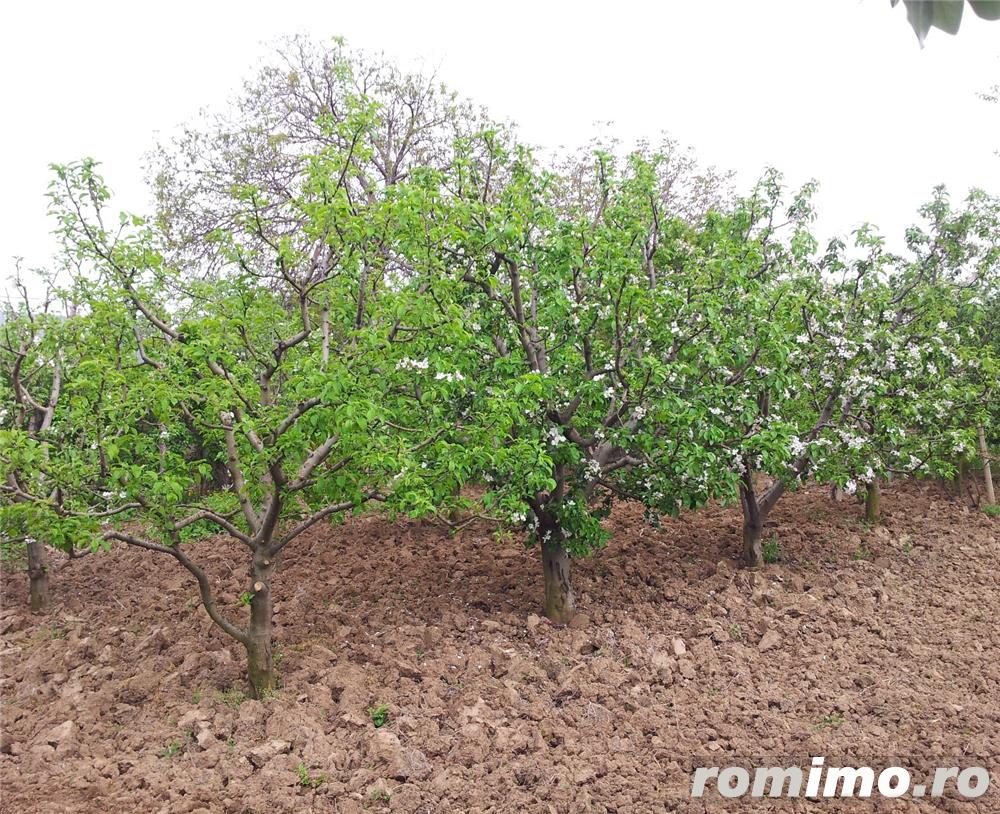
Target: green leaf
x=920, y=14
x=948, y=14
x=986, y=9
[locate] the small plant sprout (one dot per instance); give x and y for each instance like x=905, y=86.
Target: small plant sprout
x=832, y=721
x=233, y=697
x=170, y=750
x=379, y=795
x=379, y=715
x=307, y=780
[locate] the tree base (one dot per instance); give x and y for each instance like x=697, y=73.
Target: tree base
x=38, y=577
x=560, y=604
x=263, y=678
x=873, y=503
x=39, y=593
x=753, y=551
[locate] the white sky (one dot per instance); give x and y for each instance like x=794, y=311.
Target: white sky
x=838, y=90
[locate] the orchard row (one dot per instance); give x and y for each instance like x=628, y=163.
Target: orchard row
x=358, y=291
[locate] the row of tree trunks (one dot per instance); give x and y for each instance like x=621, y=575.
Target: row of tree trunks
x=560, y=602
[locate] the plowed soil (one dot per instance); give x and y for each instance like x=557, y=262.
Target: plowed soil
x=863, y=645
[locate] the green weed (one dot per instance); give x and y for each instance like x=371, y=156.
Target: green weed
x=833, y=721
x=306, y=780
x=170, y=750
x=233, y=697
x=379, y=715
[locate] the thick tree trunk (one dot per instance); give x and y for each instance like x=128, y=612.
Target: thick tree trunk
x=38, y=576
x=560, y=604
x=873, y=500
x=753, y=553
x=753, y=525
x=836, y=494
x=260, y=651
x=984, y=452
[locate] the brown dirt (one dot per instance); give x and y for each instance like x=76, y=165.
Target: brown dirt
x=861, y=645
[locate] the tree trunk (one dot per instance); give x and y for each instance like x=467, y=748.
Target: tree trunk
x=984, y=452
x=560, y=604
x=836, y=494
x=38, y=576
x=455, y=513
x=260, y=651
x=873, y=500
x=753, y=553
x=753, y=525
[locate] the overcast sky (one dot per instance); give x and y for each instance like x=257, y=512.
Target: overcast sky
x=838, y=90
